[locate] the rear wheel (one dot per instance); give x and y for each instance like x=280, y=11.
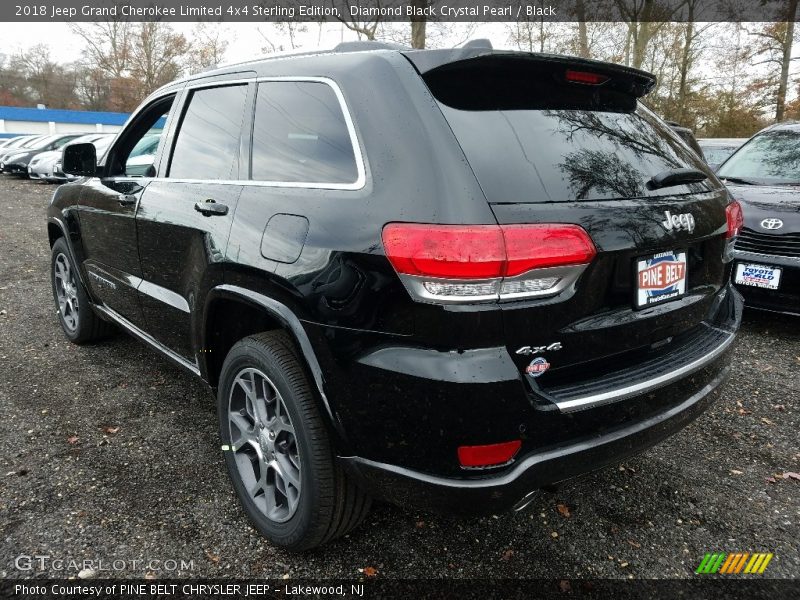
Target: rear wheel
x=279, y=455
x=78, y=320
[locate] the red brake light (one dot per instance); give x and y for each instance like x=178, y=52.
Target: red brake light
x=735, y=217
x=585, y=77
x=483, y=251
x=539, y=246
x=451, y=251
x=488, y=455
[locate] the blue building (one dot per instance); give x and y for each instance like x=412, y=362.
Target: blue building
x=18, y=121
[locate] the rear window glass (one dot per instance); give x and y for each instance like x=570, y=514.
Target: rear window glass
x=558, y=142
x=300, y=135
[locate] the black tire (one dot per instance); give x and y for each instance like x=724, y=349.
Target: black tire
x=329, y=504
x=80, y=325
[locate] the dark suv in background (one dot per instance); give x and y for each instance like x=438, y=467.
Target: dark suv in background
x=482, y=273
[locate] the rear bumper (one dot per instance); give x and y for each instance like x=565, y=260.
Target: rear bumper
x=502, y=492
x=557, y=444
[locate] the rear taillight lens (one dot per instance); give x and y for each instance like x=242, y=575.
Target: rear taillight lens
x=735, y=217
x=480, y=263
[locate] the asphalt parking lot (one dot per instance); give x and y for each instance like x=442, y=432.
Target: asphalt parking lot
x=107, y=452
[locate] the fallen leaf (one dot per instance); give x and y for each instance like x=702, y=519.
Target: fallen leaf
x=73, y=439
x=554, y=534
x=419, y=524
x=791, y=475
x=565, y=586
x=212, y=557
x=779, y=407
x=634, y=544
x=735, y=472
x=110, y=430
x=563, y=510
x=771, y=480
x=744, y=411
x=87, y=574
x=623, y=564
x=766, y=421
x=369, y=571
x=507, y=554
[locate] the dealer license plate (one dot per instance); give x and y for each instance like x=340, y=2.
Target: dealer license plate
x=660, y=278
x=761, y=276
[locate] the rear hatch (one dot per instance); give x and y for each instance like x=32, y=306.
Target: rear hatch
x=561, y=140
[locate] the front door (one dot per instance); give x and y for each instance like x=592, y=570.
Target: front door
x=185, y=216
x=108, y=209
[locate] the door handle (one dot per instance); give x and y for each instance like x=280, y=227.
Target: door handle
x=126, y=199
x=211, y=208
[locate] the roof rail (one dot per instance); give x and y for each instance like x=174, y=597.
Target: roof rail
x=367, y=45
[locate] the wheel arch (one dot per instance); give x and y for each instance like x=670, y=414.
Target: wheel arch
x=259, y=313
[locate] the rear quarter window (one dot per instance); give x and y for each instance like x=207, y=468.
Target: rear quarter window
x=300, y=135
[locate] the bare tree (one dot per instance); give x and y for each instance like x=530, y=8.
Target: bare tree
x=107, y=45
x=208, y=48
x=366, y=27
x=775, y=48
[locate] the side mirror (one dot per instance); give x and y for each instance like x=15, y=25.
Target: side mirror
x=79, y=160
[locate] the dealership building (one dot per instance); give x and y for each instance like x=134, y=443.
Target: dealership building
x=16, y=121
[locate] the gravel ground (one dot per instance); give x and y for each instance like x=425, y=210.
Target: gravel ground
x=110, y=453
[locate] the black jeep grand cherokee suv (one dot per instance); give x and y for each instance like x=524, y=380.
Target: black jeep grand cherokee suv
x=444, y=278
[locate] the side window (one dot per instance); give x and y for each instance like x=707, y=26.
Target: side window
x=134, y=152
x=300, y=135
x=140, y=160
x=208, y=139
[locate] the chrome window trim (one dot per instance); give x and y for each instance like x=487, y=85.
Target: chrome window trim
x=361, y=171
x=361, y=178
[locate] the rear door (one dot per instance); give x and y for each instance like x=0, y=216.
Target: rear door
x=184, y=217
x=554, y=142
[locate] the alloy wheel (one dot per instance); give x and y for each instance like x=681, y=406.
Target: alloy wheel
x=66, y=292
x=264, y=445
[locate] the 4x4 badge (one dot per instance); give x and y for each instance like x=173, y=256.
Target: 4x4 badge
x=528, y=350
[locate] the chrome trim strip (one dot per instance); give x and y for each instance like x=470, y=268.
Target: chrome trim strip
x=644, y=386
x=146, y=338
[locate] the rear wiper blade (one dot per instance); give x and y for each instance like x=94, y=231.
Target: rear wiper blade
x=675, y=177
x=738, y=180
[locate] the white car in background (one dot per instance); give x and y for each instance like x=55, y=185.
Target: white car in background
x=47, y=165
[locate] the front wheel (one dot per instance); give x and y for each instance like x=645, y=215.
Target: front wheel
x=278, y=452
x=78, y=320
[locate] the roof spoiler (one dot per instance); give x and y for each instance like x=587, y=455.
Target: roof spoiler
x=624, y=79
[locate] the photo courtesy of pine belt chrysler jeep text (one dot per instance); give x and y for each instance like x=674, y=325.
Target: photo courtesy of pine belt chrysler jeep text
x=481, y=274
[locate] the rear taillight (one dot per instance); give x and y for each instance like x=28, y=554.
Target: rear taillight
x=484, y=263
x=735, y=217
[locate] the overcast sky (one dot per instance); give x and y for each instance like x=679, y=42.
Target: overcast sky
x=245, y=40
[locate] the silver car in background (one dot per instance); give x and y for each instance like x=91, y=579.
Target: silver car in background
x=47, y=165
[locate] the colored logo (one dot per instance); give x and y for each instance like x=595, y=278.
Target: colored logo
x=734, y=563
x=537, y=367
x=662, y=275
x=772, y=223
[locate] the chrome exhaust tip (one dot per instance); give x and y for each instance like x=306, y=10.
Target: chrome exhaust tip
x=526, y=500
